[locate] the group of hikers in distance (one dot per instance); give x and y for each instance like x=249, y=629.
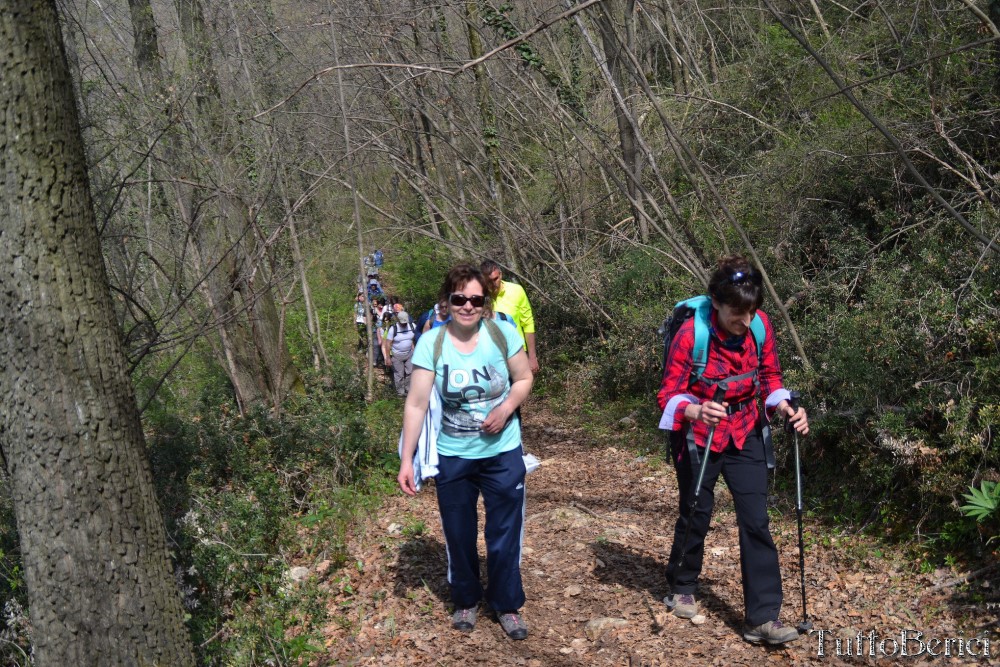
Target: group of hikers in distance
x=395, y=333
x=462, y=427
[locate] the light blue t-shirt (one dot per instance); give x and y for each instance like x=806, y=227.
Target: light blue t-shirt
x=471, y=385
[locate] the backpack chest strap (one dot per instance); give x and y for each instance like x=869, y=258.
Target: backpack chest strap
x=733, y=378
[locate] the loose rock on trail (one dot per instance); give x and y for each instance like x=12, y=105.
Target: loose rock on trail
x=598, y=527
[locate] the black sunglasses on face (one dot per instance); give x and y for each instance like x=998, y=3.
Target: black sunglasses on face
x=459, y=300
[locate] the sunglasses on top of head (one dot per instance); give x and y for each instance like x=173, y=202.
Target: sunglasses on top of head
x=459, y=300
x=740, y=277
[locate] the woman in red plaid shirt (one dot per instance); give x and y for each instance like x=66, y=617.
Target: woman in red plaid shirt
x=738, y=449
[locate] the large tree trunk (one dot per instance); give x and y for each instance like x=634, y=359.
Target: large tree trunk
x=99, y=580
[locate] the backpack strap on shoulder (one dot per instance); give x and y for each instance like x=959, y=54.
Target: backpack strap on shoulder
x=438, y=345
x=498, y=338
x=702, y=307
x=491, y=328
x=759, y=334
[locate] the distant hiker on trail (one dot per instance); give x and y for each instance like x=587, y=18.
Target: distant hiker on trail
x=380, y=315
x=482, y=375
x=359, y=320
x=510, y=298
x=397, y=345
x=439, y=316
x=423, y=320
x=374, y=288
x=742, y=360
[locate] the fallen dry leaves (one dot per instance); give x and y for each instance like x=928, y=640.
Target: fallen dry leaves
x=597, y=534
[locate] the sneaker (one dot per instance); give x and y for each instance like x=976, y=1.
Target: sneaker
x=464, y=619
x=682, y=604
x=513, y=625
x=772, y=632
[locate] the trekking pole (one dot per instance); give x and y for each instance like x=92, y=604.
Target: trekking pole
x=806, y=625
x=718, y=397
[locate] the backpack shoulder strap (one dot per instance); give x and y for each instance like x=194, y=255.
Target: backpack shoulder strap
x=759, y=335
x=498, y=338
x=702, y=307
x=491, y=327
x=438, y=345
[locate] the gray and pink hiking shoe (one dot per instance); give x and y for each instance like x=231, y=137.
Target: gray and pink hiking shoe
x=513, y=624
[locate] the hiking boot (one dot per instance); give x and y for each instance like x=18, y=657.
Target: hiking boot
x=682, y=604
x=464, y=619
x=513, y=625
x=772, y=632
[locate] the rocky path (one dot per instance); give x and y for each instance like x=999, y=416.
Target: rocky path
x=596, y=542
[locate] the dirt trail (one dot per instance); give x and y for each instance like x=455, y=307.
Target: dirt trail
x=598, y=520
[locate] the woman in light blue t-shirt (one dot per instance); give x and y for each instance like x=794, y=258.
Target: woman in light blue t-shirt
x=481, y=372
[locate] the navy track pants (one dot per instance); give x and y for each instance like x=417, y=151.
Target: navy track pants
x=500, y=479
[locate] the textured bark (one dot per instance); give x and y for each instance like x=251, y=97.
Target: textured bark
x=145, y=46
x=95, y=559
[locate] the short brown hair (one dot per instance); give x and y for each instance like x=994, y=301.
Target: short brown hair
x=461, y=275
x=735, y=282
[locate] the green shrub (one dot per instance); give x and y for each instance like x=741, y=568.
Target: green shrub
x=15, y=630
x=246, y=498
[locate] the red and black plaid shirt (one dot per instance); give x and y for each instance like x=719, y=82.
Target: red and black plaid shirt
x=678, y=389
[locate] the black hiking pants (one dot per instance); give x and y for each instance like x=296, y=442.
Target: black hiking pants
x=745, y=472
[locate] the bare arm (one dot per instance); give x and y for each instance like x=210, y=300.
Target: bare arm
x=529, y=342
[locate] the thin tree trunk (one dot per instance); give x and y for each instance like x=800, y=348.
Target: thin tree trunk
x=624, y=113
x=491, y=135
x=820, y=19
x=98, y=574
x=228, y=236
x=312, y=317
x=370, y=394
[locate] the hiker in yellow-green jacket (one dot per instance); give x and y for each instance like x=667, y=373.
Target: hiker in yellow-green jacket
x=510, y=299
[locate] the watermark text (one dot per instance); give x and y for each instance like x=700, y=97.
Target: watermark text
x=906, y=643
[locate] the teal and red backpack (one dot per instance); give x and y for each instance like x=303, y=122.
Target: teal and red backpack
x=700, y=308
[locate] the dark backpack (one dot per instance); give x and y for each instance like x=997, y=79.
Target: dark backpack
x=700, y=308
x=504, y=317
x=421, y=321
x=397, y=328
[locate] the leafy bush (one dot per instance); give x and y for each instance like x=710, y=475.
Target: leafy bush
x=417, y=268
x=245, y=499
x=984, y=502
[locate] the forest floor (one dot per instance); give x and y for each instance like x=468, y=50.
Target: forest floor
x=598, y=528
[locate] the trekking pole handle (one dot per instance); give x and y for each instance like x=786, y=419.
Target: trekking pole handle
x=793, y=400
x=720, y=392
